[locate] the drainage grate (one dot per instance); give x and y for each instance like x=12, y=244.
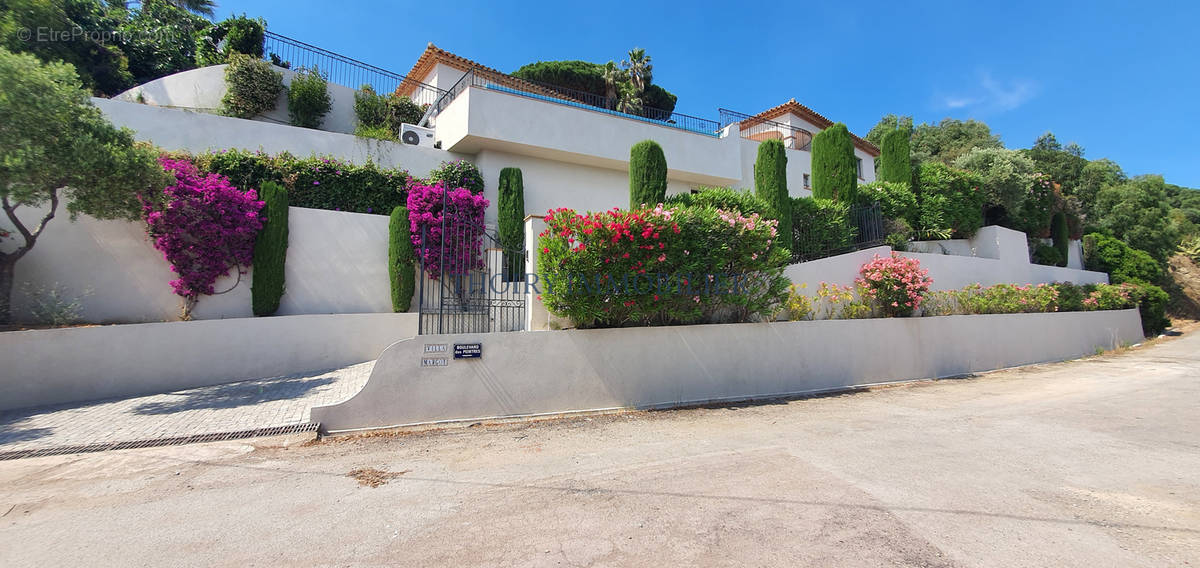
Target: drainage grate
x=176, y=441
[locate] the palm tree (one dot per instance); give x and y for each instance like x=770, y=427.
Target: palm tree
x=639, y=68
x=201, y=7
x=631, y=100
x=613, y=77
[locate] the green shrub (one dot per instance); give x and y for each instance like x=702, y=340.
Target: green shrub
x=1071, y=296
x=647, y=174
x=1033, y=217
x=376, y=132
x=724, y=198
x=820, y=226
x=1150, y=300
x=370, y=107
x=380, y=116
x=270, y=251
x=895, y=165
x=1061, y=234
x=458, y=173
x=589, y=78
x=252, y=87
x=770, y=184
x=241, y=35
x=1123, y=263
x=511, y=221
x=308, y=98
x=402, y=110
x=660, y=266
x=313, y=182
x=1047, y=255
x=949, y=199
x=401, y=261
x=896, y=200
x=834, y=167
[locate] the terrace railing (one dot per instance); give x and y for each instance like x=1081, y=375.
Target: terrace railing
x=337, y=68
x=861, y=228
x=570, y=97
x=761, y=129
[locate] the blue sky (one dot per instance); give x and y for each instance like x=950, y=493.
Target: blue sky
x=1121, y=79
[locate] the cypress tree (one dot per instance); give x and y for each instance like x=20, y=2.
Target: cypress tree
x=270, y=251
x=1061, y=236
x=511, y=210
x=835, y=175
x=770, y=184
x=647, y=174
x=894, y=162
x=401, y=261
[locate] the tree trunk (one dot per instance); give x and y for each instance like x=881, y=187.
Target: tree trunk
x=7, y=270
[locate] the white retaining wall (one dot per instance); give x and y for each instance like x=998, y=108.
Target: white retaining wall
x=336, y=263
x=1002, y=257
x=528, y=373
x=76, y=364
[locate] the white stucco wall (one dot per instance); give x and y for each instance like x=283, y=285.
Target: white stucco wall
x=196, y=132
x=336, y=263
x=56, y=366
x=202, y=89
x=528, y=373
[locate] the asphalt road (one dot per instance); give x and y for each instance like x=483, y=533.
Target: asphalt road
x=1091, y=463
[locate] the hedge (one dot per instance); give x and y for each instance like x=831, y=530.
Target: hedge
x=724, y=198
x=770, y=184
x=820, y=226
x=511, y=221
x=894, y=161
x=834, y=169
x=270, y=251
x=589, y=78
x=401, y=261
x=949, y=199
x=1122, y=262
x=1061, y=235
x=647, y=174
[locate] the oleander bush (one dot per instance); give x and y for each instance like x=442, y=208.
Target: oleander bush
x=313, y=182
x=661, y=266
x=722, y=198
x=308, y=98
x=270, y=251
x=894, y=285
x=252, y=87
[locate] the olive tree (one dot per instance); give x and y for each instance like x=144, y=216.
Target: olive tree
x=58, y=151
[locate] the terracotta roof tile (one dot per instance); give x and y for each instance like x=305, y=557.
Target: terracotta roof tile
x=819, y=120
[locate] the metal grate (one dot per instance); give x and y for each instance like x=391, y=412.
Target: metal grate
x=156, y=442
x=760, y=129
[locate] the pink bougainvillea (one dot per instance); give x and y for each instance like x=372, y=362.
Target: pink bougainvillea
x=447, y=228
x=895, y=284
x=206, y=227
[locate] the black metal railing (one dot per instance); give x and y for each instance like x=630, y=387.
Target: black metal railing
x=760, y=129
x=342, y=70
x=861, y=227
x=572, y=97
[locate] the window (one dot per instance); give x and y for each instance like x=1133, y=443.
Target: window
x=807, y=185
x=858, y=167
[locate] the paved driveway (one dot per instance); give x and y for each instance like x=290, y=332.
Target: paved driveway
x=1092, y=463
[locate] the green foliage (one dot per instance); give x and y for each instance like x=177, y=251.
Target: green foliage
x=313, y=182
x=946, y=141
x=458, y=173
x=949, y=199
x=158, y=39
x=1137, y=212
x=896, y=200
x=102, y=68
x=1047, y=255
x=834, y=168
x=888, y=123
x=589, y=78
x=253, y=87
x=895, y=163
x=724, y=198
x=401, y=260
x=308, y=98
x=238, y=35
x=511, y=221
x=1062, y=167
x=1005, y=176
x=1123, y=263
x=1061, y=235
x=647, y=174
x=1095, y=176
x=770, y=184
x=821, y=226
x=270, y=251
x=380, y=116
x=56, y=148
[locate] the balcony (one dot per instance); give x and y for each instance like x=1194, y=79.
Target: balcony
x=752, y=128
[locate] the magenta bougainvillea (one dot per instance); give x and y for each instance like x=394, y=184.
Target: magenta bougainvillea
x=895, y=284
x=204, y=228
x=447, y=228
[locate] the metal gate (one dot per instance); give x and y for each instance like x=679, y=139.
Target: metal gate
x=469, y=282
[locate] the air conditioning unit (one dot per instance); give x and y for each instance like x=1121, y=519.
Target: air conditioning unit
x=416, y=135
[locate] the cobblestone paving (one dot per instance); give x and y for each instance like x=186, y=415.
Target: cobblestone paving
x=245, y=405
